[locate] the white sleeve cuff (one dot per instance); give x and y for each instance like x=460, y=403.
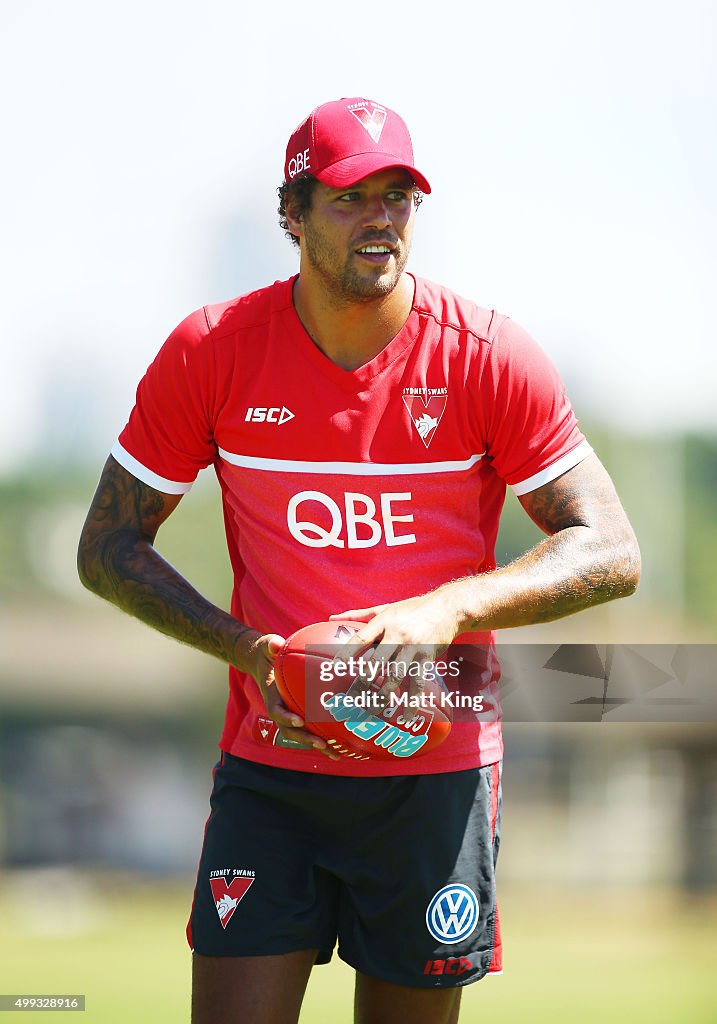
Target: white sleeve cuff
x=136, y=468
x=553, y=472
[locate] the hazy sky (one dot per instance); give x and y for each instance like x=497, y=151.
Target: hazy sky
x=571, y=148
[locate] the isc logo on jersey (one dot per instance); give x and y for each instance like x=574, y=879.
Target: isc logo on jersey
x=262, y=414
x=362, y=523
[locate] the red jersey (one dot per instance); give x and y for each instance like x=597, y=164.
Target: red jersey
x=345, y=489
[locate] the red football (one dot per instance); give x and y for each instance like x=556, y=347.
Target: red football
x=350, y=707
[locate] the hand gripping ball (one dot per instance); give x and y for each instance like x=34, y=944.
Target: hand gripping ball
x=351, y=707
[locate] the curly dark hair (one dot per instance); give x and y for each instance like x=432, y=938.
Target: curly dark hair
x=300, y=192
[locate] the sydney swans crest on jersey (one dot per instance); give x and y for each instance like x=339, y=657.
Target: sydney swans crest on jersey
x=425, y=407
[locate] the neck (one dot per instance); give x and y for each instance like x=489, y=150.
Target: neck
x=352, y=333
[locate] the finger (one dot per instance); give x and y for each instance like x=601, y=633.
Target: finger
x=268, y=648
x=331, y=754
x=358, y=614
x=406, y=673
x=399, y=666
x=311, y=741
x=283, y=716
x=379, y=663
x=290, y=725
x=360, y=641
x=274, y=644
x=420, y=697
x=421, y=688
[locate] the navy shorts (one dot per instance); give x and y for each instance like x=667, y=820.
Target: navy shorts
x=400, y=870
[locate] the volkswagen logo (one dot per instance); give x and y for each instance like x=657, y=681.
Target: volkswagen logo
x=452, y=913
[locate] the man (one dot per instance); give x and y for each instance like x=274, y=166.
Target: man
x=363, y=425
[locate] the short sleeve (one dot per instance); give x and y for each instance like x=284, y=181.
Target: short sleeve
x=169, y=435
x=532, y=432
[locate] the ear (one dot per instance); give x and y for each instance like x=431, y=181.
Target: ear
x=293, y=219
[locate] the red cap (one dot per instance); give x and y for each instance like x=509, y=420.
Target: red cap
x=345, y=140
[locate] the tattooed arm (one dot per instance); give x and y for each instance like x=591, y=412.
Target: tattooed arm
x=117, y=560
x=589, y=556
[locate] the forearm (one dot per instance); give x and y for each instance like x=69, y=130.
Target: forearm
x=566, y=573
x=127, y=571
x=590, y=555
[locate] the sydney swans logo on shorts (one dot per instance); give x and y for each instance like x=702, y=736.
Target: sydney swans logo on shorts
x=452, y=914
x=425, y=407
x=373, y=122
x=229, y=887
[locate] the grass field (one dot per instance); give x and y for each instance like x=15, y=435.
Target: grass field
x=595, y=957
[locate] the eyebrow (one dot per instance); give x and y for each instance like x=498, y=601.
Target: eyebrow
x=403, y=186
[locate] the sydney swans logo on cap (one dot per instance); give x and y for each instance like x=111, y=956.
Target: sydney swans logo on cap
x=373, y=122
